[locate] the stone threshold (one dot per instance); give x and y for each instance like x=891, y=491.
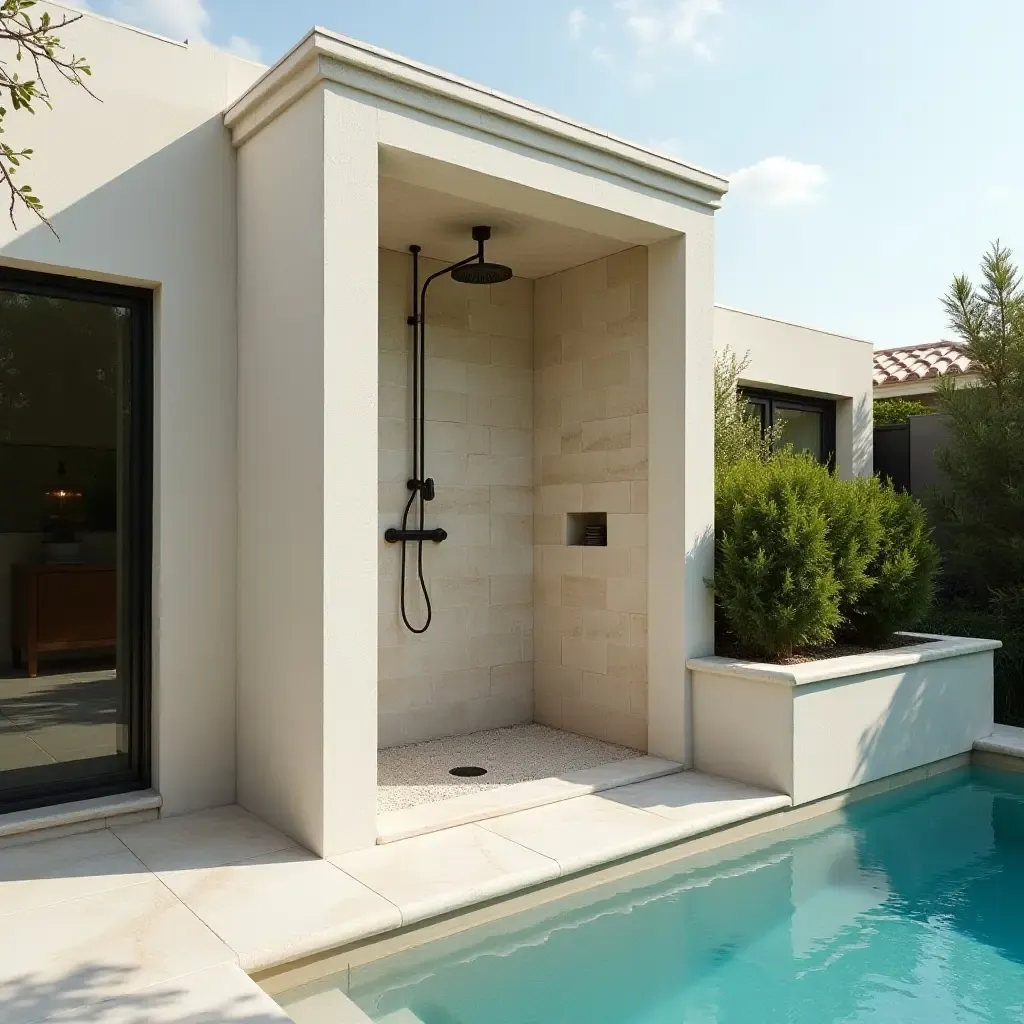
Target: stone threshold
x=78, y=816
x=408, y=822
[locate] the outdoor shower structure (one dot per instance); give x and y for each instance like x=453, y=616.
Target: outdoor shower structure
x=550, y=399
x=472, y=270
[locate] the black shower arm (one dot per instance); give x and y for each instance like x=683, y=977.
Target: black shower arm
x=475, y=258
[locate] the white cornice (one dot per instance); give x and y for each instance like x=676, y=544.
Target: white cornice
x=323, y=56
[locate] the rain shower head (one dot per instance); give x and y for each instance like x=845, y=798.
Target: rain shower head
x=480, y=271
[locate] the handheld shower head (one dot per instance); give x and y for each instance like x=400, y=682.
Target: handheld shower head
x=481, y=272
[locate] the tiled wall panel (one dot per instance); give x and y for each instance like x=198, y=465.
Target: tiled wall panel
x=590, y=455
x=473, y=669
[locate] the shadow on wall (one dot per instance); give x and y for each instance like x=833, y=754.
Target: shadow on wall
x=863, y=435
x=29, y=998
x=127, y=225
x=918, y=715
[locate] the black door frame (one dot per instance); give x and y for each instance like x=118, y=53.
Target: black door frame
x=770, y=401
x=135, y=539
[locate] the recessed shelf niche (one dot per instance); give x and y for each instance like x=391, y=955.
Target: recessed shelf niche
x=587, y=529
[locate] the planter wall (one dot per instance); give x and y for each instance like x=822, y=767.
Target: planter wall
x=823, y=727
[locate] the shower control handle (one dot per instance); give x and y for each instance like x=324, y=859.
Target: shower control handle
x=393, y=535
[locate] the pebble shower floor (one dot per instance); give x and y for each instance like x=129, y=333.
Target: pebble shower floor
x=905, y=908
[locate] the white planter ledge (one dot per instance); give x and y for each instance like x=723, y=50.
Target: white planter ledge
x=823, y=727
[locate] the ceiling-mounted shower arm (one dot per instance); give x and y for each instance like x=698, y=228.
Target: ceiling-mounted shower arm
x=421, y=319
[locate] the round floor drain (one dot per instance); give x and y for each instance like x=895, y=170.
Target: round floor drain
x=468, y=771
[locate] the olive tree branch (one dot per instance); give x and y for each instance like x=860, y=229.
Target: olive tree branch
x=35, y=42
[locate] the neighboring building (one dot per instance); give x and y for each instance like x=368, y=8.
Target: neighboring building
x=905, y=453
x=911, y=371
x=815, y=385
x=206, y=419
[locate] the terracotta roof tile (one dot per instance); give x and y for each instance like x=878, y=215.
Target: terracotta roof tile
x=919, y=362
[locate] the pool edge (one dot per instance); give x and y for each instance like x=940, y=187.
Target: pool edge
x=284, y=977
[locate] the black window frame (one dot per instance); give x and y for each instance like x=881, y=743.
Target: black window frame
x=136, y=611
x=770, y=402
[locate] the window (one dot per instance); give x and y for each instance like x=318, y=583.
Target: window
x=808, y=424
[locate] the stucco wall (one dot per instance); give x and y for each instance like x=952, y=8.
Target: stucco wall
x=281, y=466
x=590, y=326
x=141, y=189
x=473, y=668
x=787, y=357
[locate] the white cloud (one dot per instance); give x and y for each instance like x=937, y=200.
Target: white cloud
x=601, y=55
x=779, y=181
x=242, y=47
x=178, y=19
x=578, y=20
x=679, y=25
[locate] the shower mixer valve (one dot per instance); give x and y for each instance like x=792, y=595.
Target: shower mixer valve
x=425, y=486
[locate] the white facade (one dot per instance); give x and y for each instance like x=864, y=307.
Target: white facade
x=260, y=211
x=153, y=204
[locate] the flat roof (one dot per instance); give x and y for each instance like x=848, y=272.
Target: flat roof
x=291, y=76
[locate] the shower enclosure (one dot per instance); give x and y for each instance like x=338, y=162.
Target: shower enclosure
x=527, y=400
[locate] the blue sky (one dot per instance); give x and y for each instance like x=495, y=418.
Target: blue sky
x=875, y=146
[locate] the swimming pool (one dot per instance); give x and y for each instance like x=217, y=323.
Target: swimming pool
x=905, y=908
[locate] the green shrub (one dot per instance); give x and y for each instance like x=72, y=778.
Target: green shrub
x=801, y=553
x=889, y=412
x=854, y=532
x=774, y=578
x=903, y=569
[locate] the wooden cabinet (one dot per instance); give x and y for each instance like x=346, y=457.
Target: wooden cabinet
x=61, y=608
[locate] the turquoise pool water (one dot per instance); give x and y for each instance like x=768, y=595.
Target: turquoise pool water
x=908, y=908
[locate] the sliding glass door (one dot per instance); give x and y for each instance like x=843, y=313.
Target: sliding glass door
x=75, y=528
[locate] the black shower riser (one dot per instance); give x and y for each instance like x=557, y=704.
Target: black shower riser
x=476, y=270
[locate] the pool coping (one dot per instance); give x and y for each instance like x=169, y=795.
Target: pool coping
x=316, y=966
x=250, y=975
x=221, y=888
